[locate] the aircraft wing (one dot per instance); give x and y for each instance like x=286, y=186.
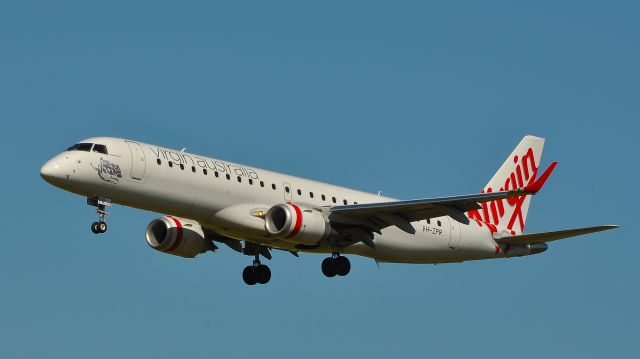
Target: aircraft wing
x=548, y=236
x=375, y=216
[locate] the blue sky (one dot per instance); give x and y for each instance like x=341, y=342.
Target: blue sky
x=413, y=98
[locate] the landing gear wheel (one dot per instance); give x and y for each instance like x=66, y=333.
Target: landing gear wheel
x=342, y=265
x=249, y=275
x=102, y=227
x=257, y=272
x=262, y=274
x=101, y=205
x=328, y=268
x=94, y=228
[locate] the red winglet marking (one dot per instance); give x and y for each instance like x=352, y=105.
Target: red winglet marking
x=298, y=225
x=178, y=237
x=537, y=185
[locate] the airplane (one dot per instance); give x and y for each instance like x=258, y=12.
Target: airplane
x=208, y=202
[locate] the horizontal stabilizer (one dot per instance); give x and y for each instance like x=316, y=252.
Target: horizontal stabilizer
x=547, y=236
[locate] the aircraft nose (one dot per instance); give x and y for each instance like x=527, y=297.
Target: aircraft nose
x=52, y=171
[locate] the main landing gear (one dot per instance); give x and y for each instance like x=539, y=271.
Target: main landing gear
x=256, y=273
x=336, y=265
x=101, y=204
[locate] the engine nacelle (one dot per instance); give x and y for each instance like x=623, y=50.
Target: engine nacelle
x=292, y=223
x=177, y=236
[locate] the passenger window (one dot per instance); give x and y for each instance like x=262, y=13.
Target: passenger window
x=299, y=192
x=85, y=147
x=100, y=149
x=273, y=185
x=250, y=181
x=159, y=161
x=170, y=164
x=228, y=176
x=344, y=201
x=323, y=197
x=204, y=170
x=428, y=221
x=354, y=202
x=239, y=179
x=439, y=224
x=311, y=194
x=215, y=173
x=193, y=169
x=182, y=166
x=333, y=199
x=286, y=189
x=261, y=183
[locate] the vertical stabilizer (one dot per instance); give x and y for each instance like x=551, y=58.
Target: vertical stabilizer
x=519, y=170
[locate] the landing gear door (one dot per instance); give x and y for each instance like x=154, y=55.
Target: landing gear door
x=287, y=191
x=138, y=163
x=454, y=231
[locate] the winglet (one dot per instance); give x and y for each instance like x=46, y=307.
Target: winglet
x=536, y=186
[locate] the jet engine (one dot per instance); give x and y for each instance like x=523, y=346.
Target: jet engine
x=292, y=223
x=177, y=236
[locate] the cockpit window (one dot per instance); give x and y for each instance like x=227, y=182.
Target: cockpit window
x=86, y=147
x=100, y=149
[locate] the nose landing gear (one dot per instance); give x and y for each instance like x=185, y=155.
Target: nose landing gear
x=101, y=204
x=98, y=227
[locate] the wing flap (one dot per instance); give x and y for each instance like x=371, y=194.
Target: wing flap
x=544, y=237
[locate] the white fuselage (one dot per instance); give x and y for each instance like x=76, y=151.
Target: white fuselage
x=220, y=196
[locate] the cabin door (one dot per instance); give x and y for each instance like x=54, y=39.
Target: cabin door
x=138, y=164
x=454, y=232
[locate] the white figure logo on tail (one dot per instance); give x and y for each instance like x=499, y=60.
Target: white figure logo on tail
x=518, y=171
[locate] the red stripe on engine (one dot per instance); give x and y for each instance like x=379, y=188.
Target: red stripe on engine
x=178, y=237
x=298, y=225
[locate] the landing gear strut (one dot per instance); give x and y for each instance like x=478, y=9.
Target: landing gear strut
x=101, y=204
x=336, y=265
x=256, y=273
